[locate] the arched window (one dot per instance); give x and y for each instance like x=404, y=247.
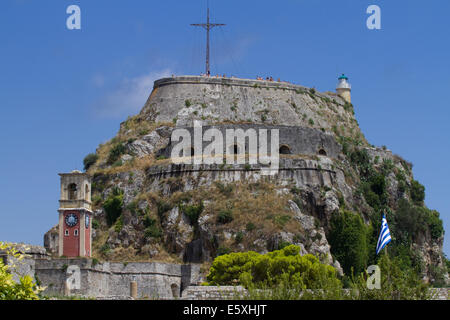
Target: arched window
x=192, y=152
x=284, y=149
x=75, y=233
x=86, y=193
x=322, y=152
x=72, y=191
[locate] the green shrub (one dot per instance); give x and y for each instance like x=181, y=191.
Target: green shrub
x=417, y=192
x=116, y=151
x=250, y=226
x=239, y=237
x=133, y=207
x=90, y=160
x=119, y=224
x=117, y=163
x=225, y=216
x=187, y=103
x=411, y=220
x=281, y=220
x=105, y=249
x=192, y=212
x=95, y=224
x=224, y=189
x=387, y=166
x=148, y=221
x=113, y=206
x=401, y=179
x=311, y=121
x=162, y=208
x=361, y=159
x=153, y=232
x=271, y=269
x=374, y=190
x=349, y=107
x=435, y=224
x=397, y=283
x=348, y=241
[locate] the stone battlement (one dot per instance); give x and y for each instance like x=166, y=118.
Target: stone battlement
x=237, y=82
x=183, y=99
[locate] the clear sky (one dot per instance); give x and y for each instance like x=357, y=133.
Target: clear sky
x=63, y=92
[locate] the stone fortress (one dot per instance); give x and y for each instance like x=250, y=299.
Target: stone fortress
x=310, y=158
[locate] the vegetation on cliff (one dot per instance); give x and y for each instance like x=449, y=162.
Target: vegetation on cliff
x=285, y=275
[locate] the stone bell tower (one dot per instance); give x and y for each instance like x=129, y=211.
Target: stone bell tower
x=344, y=88
x=75, y=215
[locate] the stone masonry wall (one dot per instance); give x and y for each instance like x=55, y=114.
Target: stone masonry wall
x=182, y=99
x=154, y=280
x=231, y=292
x=299, y=140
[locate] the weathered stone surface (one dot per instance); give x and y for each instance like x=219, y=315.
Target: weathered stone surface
x=212, y=100
x=151, y=142
x=51, y=243
x=104, y=280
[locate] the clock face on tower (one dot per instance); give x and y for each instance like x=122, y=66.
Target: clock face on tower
x=71, y=220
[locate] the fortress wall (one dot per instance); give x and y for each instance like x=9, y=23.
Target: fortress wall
x=154, y=280
x=302, y=173
x=111, y=280
x=300, y=140
x=185, y=98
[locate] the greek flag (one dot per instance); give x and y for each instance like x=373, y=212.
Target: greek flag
x=385, y=235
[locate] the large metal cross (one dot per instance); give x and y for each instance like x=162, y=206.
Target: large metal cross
x=208, y=26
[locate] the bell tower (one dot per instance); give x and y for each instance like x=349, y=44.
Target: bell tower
x=75, y=215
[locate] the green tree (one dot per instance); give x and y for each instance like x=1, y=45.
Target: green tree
x=417, y=192
x=116, y=151
x=272, y=269
x=348, y=241
x=398, y=282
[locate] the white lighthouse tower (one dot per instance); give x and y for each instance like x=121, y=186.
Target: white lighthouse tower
x=344, y=88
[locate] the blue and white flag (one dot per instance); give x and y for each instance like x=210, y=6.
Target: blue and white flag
x=385, y=235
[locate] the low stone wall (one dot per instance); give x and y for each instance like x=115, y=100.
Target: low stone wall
x=236, y=292
x=25, y=266
x=212, y=293
x=111, y=279
x=441, y=293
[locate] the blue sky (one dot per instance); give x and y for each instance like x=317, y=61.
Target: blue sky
x=62, y=92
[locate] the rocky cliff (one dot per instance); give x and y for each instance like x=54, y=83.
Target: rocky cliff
x=146, y=207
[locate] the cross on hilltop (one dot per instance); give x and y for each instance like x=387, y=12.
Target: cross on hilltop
x=208, y=26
